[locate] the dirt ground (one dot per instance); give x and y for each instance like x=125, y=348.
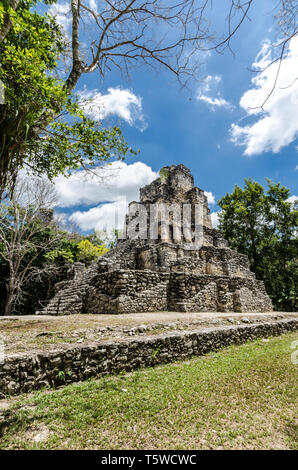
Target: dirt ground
x=39, y=333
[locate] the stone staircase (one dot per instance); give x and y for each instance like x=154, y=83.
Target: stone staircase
x=70, y=294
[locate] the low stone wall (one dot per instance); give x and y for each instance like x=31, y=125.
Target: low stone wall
x=23, y=373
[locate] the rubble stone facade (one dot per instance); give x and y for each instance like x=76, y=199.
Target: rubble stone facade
x=146, y=273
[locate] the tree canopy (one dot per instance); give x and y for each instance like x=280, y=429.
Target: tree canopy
x=42, y=125
x=263, y=225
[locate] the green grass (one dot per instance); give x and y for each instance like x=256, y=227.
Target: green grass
x=242, y=397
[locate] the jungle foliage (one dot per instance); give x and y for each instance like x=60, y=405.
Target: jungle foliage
x=263, y=224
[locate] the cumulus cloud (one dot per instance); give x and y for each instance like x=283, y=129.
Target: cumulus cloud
x=120, y=102
x=293, y=199
x=108, y=190
x=209, y=94
x=62, y=14
x=215, y=219
x=214, y=102
x=210, y=197
x=107, y=184
x=102, y=218
x=277, y=123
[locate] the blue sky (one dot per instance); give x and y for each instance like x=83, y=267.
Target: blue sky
x=200, y=127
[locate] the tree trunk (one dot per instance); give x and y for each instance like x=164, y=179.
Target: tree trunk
x=77, y=67
x=8, y=168
x=7, y=21
x=4, y=170
x=10, y=297
x=8, y=304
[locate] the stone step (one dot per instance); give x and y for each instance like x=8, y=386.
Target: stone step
x=61, y=304
x=70, y=294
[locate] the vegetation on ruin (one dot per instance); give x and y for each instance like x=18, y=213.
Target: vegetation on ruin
x=44, y=129
x=242, y=397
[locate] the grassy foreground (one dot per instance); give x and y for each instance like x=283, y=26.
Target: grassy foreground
x=242, y=397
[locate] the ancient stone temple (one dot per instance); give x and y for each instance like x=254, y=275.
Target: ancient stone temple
x=169, y=259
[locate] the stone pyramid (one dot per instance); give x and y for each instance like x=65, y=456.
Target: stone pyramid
x=171, y=259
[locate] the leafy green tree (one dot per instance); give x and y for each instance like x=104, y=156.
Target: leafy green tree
x=81, y=249
x=59, y=255
x=89, y=252
x=41, y=124
x=263, y=225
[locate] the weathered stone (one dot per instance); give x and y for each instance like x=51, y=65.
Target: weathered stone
x=147, y=275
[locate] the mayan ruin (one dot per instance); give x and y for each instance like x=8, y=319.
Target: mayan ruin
x=164, y=273
x=148, y=231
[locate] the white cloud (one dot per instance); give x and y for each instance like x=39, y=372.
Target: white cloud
x=107, y=184
x=292, y=199
x=214, y=219
x=93, y=6
x=102, y=218
x=210, y=197
x=277, y=125
x=214, y=102
x=117, y=101
x=210, y=82
x=62, y=14
x=208, y=89
x=109, y=189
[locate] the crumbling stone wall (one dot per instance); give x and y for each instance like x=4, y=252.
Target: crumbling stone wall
x=128, y=291
x=142, y=274
x=191, y=292
x=25, y=372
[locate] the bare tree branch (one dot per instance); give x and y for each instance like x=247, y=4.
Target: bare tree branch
x=162, y=32
x=20, y=227
x=171, y=34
